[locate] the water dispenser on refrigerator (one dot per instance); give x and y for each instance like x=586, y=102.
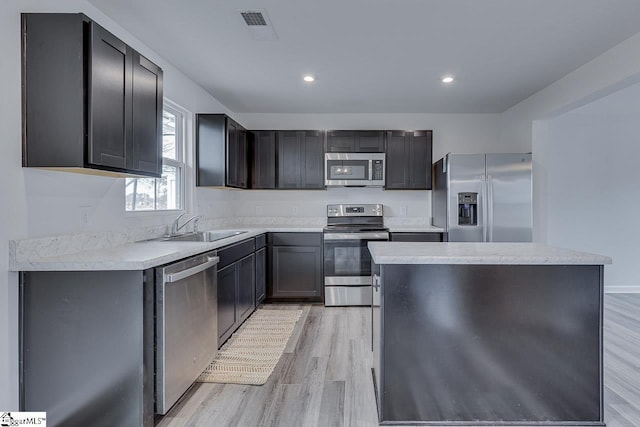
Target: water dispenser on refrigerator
x=467, y=208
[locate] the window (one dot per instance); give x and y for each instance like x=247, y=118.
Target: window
x=166, y=193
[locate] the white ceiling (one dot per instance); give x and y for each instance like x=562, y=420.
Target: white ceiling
x=378, y=56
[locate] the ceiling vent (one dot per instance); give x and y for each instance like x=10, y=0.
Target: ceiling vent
x=258, y=24
x=253, y=18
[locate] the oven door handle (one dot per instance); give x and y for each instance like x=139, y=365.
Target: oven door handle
x=356, y=236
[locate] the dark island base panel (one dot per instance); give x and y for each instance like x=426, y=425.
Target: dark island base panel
x=508, y=344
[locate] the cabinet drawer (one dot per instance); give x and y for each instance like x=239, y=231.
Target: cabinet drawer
x=295, y=239
x=261, y=241
x=232, y=253
x=416, y=237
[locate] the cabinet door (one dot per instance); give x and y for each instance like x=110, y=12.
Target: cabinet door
x=397, y=173
x=211, y=140
x=233, y=153
x=261, y=275
x=242, y=159
x=370, y=141
x=110, y=77
x=297, y=272
x=246, y=287
x=313, y=173
x=419, y=160
x=341, y=141
x=362, y=141
x=409, y=160
x=289, y=159
x=145, y=151
x=263, y=159
x=53, y=77
x=227, y=315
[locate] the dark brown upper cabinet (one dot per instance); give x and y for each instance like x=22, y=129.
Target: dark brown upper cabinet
x=262, y=144
x=408, y=160
x=145, y=153
x=300, y=159
x=221, y=152
x=355, y=141
x=90, y=102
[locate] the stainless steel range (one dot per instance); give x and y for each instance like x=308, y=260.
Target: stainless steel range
x=347, y=262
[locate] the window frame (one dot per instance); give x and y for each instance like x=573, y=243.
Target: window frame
x=180, y=163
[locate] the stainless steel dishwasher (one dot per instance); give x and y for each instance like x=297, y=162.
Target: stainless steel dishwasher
x=186, y=325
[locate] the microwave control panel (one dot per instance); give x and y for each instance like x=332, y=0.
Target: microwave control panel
x=378, y=170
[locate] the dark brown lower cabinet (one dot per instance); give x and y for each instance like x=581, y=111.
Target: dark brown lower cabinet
x=246, y=287
x=296, y=267
x=227, y=279
x=261, y=275
x=236, y=287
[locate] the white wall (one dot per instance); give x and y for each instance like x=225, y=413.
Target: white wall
x=593, y=196
x=562, y=148
x=36, y=202
x=617, y=68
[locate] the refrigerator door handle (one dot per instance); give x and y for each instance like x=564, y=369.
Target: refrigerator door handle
x=489, y=208
x=483, y=192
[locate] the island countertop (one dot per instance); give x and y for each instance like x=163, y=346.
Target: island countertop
x=479, y=253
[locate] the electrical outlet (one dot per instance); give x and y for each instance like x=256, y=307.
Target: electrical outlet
x=403, y=210
x=259, y=210
x=295, y=211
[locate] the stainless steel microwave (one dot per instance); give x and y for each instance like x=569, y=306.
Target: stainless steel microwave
x=354, y=169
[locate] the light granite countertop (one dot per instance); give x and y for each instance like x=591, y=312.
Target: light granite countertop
x=480, y=253
x=129, y=256
x=117, y=251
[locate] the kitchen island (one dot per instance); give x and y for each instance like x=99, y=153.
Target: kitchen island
x=487, y=333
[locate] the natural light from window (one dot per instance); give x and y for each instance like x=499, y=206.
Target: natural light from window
x=166, y=193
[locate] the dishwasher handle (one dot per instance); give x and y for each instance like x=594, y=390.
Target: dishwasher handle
x=174, y=277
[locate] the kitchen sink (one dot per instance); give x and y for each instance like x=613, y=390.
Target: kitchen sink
x=202, y=236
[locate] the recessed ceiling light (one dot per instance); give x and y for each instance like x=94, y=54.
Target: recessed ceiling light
x=447, y=79
x=308, y=78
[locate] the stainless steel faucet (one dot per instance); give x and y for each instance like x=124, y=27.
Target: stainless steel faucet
x=175, y=227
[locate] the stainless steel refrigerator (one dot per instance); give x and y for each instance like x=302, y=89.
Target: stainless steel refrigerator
x=483, y=197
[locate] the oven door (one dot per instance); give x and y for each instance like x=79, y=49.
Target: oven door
x=347, y=268
x=347, y=261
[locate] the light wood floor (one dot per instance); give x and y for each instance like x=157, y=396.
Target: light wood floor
x=324, y=376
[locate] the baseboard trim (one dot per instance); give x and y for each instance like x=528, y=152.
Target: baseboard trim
x=622, y=289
